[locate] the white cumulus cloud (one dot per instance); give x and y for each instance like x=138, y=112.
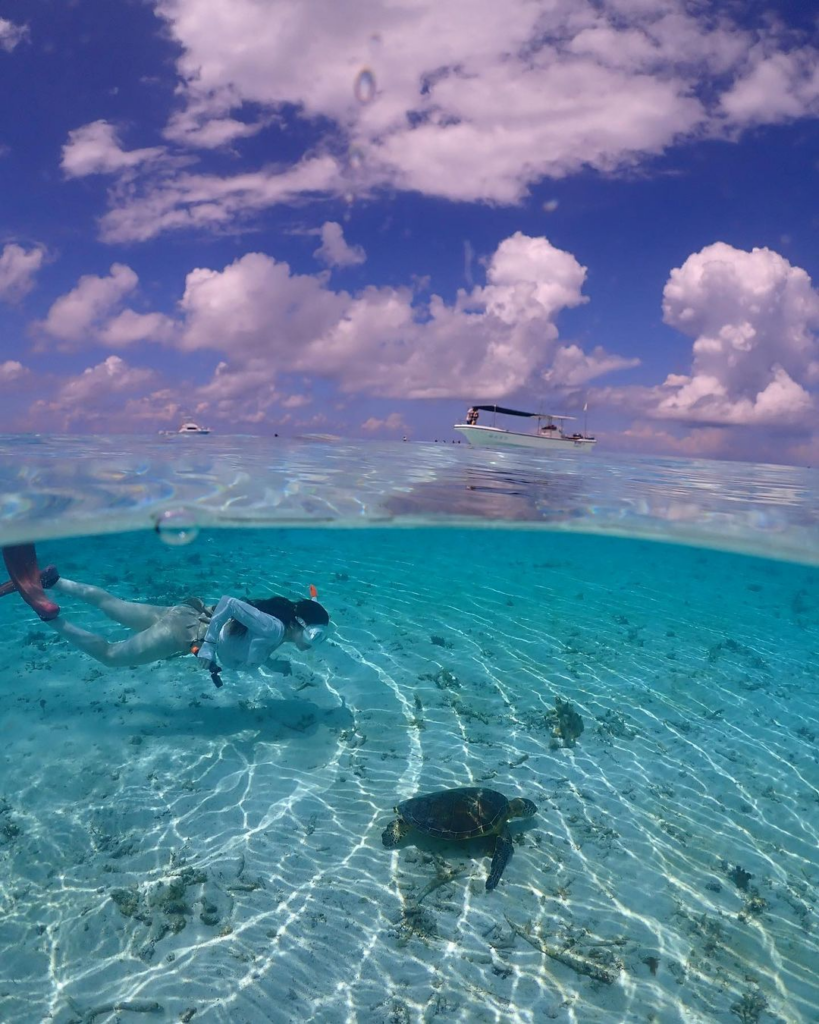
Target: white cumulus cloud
x=11, y=34
x=17, y=269
x=95, y=149
x=97, y=395
x=471, y=100
x=572, y=367
x=112, y=375
x=11, y=370
x=775, y=87
x=241, y=393
x=188, y=201
x=394, y=423
x=334, y=249
x=72, y=316
x=385, y=341
x=128, y=327
x=207, y=125
x=91, y=313
x=754, y=319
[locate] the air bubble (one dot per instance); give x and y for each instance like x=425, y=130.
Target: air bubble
x=364, y=87
x=177, y=526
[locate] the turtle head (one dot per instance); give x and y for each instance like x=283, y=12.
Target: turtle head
x=521, y=808
x=394, y=833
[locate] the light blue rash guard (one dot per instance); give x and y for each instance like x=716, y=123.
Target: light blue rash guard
x=264, y=634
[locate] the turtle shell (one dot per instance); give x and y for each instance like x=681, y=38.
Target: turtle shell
x=456, y=813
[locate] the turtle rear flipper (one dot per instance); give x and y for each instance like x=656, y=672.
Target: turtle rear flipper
x=394, y=833
x=500, y=858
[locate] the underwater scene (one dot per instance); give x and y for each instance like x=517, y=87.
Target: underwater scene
x=532, y=773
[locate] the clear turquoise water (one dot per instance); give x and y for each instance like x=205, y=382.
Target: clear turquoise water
x=167, y=847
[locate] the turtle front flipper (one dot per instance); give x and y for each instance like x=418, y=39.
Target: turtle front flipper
x=500, y=858
x=395, y=832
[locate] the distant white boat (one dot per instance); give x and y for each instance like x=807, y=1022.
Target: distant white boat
x=188, y=427
x=548, y=434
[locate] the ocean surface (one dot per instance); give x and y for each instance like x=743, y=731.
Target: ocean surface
x=170, y=851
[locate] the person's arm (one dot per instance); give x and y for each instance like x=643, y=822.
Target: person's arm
x=260, y=625
x=264, y=630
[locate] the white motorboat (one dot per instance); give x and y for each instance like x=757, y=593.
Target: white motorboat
x=548, y=433
x=188, y=427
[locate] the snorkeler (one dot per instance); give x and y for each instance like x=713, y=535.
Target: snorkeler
x=232, y=634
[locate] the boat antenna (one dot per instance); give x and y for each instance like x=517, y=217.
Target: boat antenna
x=585, y=416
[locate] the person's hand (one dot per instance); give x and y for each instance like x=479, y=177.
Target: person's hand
x=207, y=652
x=215, y=674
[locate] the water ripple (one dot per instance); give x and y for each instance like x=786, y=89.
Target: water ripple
x=69, y=486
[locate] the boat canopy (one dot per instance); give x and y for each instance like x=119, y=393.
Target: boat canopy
x=517, y=412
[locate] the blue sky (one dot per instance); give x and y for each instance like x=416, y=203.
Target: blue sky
x=359, y=218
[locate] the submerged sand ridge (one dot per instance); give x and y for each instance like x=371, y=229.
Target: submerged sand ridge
x=168, y=848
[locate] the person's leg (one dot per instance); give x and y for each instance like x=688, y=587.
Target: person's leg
x=163, y=639
x=133, y=614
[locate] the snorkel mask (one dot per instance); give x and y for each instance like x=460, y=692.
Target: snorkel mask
x=313, y=634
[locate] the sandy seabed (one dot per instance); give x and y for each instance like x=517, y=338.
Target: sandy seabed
x=173, y=852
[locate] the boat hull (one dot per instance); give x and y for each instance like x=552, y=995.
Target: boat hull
x=183, y=433
x=497, y=437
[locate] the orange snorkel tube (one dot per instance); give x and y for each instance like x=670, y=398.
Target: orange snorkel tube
x=315, y=632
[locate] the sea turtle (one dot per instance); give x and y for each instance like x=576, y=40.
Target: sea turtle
x=461, y=814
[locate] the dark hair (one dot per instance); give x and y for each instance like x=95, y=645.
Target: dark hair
x=279, y=607
x=312, y=612
x=285, y=611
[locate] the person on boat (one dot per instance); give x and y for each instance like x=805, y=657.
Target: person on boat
x=471, y=417
x=233, y=634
